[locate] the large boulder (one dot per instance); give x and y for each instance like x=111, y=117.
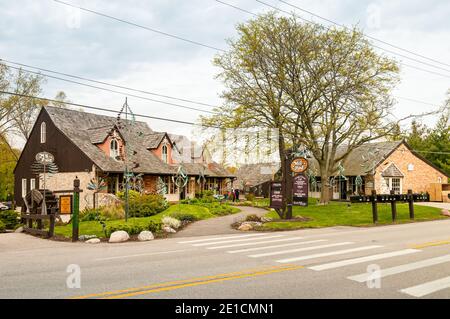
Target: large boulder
x=119, y=236
x=168, y=229
x=93, y=241
x=145, y=235
x=245, y=227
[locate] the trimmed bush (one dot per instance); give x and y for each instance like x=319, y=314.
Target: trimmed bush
x=154, y=227
x=250, y=197
x=131, y=229
x=10, y=218
x=147, y=205
x=2, y=227
x=184, y=216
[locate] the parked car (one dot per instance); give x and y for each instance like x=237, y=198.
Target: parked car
x=3, y=207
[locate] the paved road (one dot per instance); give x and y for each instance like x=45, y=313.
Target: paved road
x=414, y=260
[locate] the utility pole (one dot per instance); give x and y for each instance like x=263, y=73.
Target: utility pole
x=127, y=178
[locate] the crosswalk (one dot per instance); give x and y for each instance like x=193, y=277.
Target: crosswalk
x=282, y=248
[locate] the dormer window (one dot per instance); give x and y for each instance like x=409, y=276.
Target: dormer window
x=114, y=149
x=43, y=132
x=164, y=153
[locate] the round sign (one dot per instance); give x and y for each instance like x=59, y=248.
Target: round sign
x=44, y=158
x=299, y=165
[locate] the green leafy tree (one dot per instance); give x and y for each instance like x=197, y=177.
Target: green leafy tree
x=8, y=160
x=320, y=88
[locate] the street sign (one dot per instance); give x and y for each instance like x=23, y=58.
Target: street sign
x=276, y=195
x=299, y=165
x=44, y=158
x=300, y=190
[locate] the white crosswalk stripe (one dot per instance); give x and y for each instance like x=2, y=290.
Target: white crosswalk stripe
x=276, y=246
x=256, y=243
x=332, y=253
x=404, y=268
x=218, y=238
x=273, y=253
x=234, y=241
x=359, y=260
x=427, y=288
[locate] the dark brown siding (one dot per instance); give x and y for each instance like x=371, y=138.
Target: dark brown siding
x=68, y=157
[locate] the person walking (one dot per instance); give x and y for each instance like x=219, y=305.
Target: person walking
x=236, y=194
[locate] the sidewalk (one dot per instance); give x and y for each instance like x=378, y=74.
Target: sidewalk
x=435, y=204
x=219, y=225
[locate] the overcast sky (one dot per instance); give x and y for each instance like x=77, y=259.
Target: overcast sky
x=50, y=35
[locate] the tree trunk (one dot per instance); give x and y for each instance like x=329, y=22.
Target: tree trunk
x=326, y=189
x=282, y=152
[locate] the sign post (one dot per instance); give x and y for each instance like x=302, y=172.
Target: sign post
x=76, y=209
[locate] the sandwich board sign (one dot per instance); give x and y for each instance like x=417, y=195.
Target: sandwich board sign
x=276, y=195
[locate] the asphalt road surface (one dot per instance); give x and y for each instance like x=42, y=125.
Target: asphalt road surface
x=400, y=261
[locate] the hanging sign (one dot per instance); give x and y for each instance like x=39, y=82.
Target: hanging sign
x=276, y=195
x=299, y=165
x=300, y=190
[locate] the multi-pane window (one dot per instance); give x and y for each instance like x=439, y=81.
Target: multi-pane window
x=114, y=149
x=32, y=183
x=396, y=185
x=164, y=153
x=171, y=187
x=43, y=132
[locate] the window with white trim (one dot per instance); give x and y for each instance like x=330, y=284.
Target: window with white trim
x=43, y=132
x=24, y=187
x=164, y=153
x=394, y=184
x=114, y=149
x=32, y=183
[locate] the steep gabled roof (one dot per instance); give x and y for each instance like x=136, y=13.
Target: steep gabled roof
x=80, y=126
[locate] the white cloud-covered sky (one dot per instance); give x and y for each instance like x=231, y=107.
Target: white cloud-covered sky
x=53, y=36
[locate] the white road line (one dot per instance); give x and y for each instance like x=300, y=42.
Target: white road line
x=359, y=260
x=218, y=238
x=403, y=268
x=140, y=255
x=257, y=243
x=276, y=246
x=338, y=252
x=427, y=288
x=235, y=240
x=299, y=249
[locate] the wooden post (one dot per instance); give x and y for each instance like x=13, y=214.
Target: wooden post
x=51, y=229
x=411, y=204
x=393, y=207
x=374, y=206
x=288, y=186
x=76, y=209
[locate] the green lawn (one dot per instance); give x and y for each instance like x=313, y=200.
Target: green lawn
x=95, y=228
x=346, y=214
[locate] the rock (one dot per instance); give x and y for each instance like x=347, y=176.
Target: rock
x=86, y=237
x=19, y=230
x=119, y=236
x=245, y=227
x=445, y=212
x=93, y=241
x=168, y=229
x=266, y=219
x=145, y=235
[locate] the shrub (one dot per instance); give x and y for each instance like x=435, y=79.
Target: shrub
x=184, y=216
x=2, y=227
x=154, y=227
x=110, y=212
x=10, y=218
x=89, y=214
x=147, y=205
x=253, y=218
x=250, y=197
x=171, y=222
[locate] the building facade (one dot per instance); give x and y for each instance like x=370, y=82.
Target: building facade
x=97, y=148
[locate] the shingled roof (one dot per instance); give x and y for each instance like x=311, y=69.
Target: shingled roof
x=392, y=171
x=255, y=174
x=87, y=129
